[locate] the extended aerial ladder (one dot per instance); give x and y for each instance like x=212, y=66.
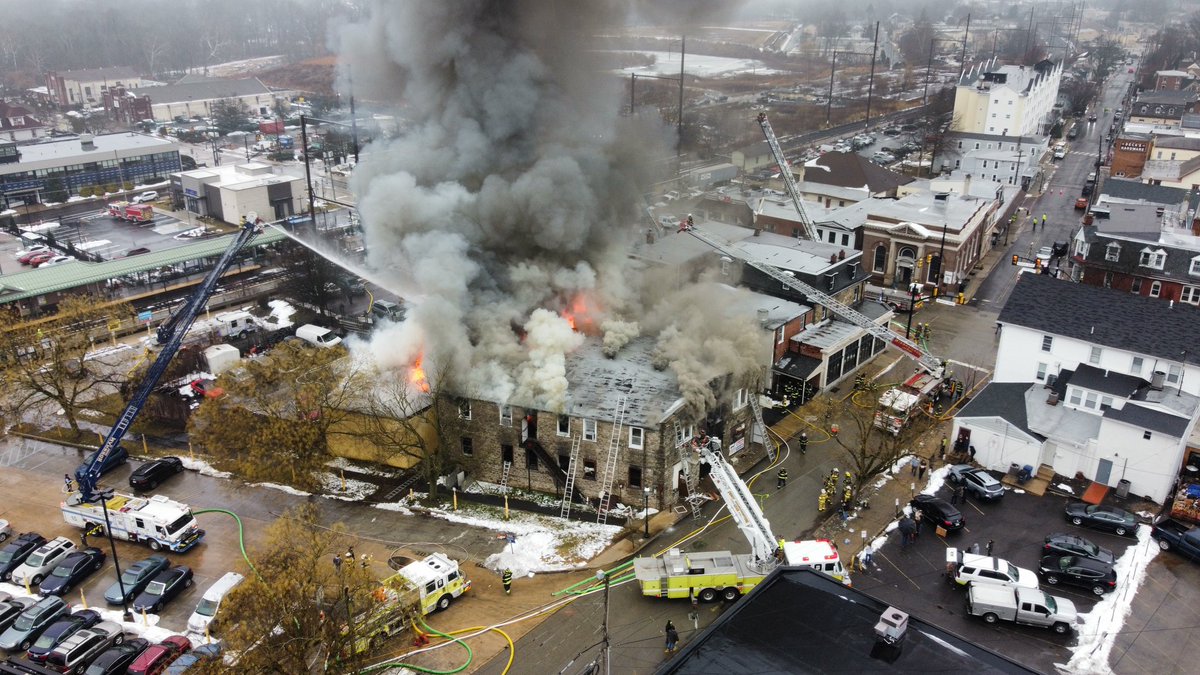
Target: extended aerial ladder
x=743, y=508
x=789, y=181
x=170, y=338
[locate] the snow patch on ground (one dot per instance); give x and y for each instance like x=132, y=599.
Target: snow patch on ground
x=143, y=626
x=398, y=508
x=937, y=478
x=1102, y=625
x=203, y=467
x=283, y=488
x=348, y=490
x=543, y=543
x=370, y=470
x=1065, y=488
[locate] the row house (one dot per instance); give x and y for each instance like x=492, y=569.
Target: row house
x=1081, y=386
x=1172, y=161
x=622, y=413
x=1162, y=108
x=17, y=124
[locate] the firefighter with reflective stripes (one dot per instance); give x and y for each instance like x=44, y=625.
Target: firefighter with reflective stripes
x=506, y=579
x=822, y=501
x=782, y=476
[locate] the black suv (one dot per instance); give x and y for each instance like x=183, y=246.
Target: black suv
x=1077, y=571
x=15, y=553
x=938, y=512
x=149, y=475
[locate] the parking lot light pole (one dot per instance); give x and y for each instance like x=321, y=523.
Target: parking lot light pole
x=106, y=495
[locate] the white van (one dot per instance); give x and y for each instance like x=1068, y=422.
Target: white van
x=200, y=619
x=236, y=323
x=321, y=337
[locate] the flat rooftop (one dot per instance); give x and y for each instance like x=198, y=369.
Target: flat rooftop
x=105, y=144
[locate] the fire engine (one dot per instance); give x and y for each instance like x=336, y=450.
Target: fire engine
x=419, y=588
x=134, y=213
x=157, y=521
x=897, y=405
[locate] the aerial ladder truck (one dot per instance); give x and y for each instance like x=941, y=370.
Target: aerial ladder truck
x=708, y=575
x=157, y=521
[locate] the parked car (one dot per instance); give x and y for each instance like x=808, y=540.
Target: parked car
x=5, y=530
x=11, y=608
x=938, y=512
x=386, y=309
x=1102, y=517
x=135, y=578
x=116, y=457
x=77, y=651
x=203, y=653
x=36, y=251
x=40, y=257
x=1076, y=571
x=30, y=623
x=982, y=569
x=15, y=552
x=1081, y=204
x=165, y=586
x=1021, y=605
x=1044, y=255
x=978, y=482
x=58, y=260
x=57, y=632
x=146, y=197
x=29, y=250
x=149, y=475
x=1070, y=544
x=1173, y=535
x=42, y=561
x=116, y=659
x=157, y=657
x=74, y=568
x=136, y=251
x=206, y=611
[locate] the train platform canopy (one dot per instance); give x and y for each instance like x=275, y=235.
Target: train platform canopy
x=38, y=282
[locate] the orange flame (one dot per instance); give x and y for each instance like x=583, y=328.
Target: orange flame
x=416, y=375
x=578, y=315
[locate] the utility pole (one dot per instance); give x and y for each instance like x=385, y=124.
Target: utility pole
x=679, y=143
x=605, y=652
x=871, y=82
x=962, y=68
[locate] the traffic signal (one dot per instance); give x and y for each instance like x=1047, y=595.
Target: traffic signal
x=929, y=259
x=1037, y=264
x=1016, y=258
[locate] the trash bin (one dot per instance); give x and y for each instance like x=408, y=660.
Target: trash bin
x=1122, y=489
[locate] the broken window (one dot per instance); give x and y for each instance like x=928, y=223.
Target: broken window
x=589, y=469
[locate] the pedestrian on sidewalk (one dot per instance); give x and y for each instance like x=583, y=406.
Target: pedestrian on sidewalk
x=906, y=529
x=921, y=470
x=917, y=520
x=913, y=463
x=506, y=579
x=672, y=638
x=782, y=476
x=868, y=555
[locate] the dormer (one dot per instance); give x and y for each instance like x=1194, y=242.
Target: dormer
x=1152, y=258
x=1112, y=252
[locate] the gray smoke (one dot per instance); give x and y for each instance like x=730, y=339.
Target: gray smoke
x=514, y=191
x=617, y=334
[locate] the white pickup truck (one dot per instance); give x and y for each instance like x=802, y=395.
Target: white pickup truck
x=1029, y=606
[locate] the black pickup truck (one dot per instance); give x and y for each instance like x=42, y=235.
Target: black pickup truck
x=1173, y=535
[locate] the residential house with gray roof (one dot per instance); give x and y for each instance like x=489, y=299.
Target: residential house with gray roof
x=1084, y=385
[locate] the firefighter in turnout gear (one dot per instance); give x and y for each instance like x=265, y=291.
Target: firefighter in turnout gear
x=847, y=497
x=506, y=579
x=822, y=501
x=803, y=443
x=782, y=476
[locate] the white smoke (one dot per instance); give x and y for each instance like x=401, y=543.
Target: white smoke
x=617, y=334
x=513, y=193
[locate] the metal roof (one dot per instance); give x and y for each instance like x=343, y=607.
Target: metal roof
x=38, y=282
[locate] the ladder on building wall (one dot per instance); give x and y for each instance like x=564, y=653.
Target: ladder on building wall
x=768, y=442
x=504, y=477
x=569, y=487
x=691, y=475
x=610, y=465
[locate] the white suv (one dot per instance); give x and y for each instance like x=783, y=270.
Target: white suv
x=146, y=197
x=981, y=569
x=42, y=561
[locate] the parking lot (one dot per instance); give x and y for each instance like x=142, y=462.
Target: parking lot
x=100, y=234
x=914, y=579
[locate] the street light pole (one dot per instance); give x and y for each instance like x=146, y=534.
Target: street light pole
x=913, y=295
x=646, y=510
x=104, y=497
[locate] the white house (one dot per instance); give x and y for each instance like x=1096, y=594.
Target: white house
x=991, y=98
x=1084, y=386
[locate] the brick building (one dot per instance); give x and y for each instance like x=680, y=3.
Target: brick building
x=77, y=88
x=1171, y=80
x=530, y=448
x=1129, y=154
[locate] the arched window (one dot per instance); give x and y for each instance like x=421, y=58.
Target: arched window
x=880, y=258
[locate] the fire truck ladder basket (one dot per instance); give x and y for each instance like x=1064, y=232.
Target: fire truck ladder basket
x=610, y=465
x=572, y=467
x=928, y=361
x=768, y=442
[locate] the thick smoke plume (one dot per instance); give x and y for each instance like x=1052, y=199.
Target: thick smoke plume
x=513, y=192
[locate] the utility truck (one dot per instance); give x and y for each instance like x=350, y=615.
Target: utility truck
x=156, y=521
x=1028, y=606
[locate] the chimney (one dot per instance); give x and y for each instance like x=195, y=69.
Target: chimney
x=1052, y=399
x=967, y=185
x=1157, y=379
x=87, y=142
x=762, y=317
x=842, y=254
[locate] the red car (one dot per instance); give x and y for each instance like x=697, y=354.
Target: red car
x=157, y=657
x=41, y=258
x=24, y=259
x=1081, y=203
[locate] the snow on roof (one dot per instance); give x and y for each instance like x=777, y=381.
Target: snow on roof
x=924, y=232
x=598, y=382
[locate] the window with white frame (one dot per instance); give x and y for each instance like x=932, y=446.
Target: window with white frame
x=1047, y=342
x=564, y=425
x=506, y=415
x=1090, y=400
x=779, y=335
x=637, y=438
x=1155, y=289
x=1194, y=268
x=684, y=433
x=1074, y=395
x=1152, y=258
x=1190, y=294
x=589, y=430
x=1082, y=248
x=1094, y=357
x=464, y=409
x=1106, y=402
x=1041, y=371
x=740, y=399
x=1136, y=367
x=1112, y=252
x=1174, y=373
